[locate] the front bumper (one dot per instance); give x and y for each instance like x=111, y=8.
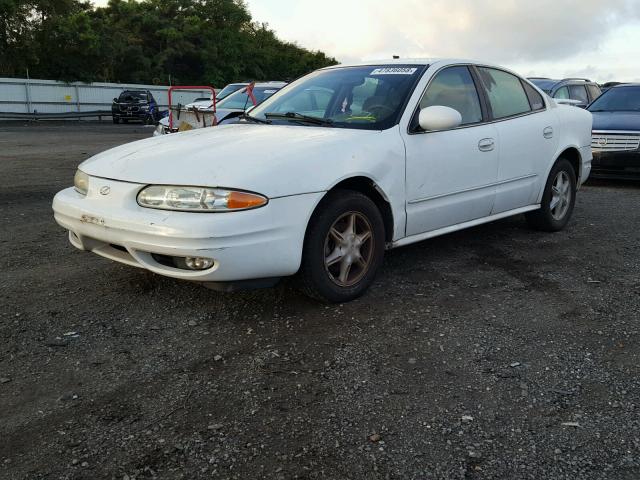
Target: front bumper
x=251, y=244
x=624, y=164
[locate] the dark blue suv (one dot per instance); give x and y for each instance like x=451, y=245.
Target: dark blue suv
x=615, y=139
x=136, y=105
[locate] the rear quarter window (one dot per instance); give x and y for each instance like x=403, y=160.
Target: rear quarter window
x=535, y=99
x=578, y=92
x=594, y=91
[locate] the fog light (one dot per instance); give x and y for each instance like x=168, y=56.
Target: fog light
x=198, y=263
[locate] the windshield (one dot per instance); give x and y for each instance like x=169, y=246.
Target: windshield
x=240, y=100
x=368, y=97
x=228, y=90
x=618, y=99
x=133, y=97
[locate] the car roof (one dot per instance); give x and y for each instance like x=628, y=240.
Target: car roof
x=623, y=85
x=549, y=83
x=273, y=84
x=543, y=83
x=430, y=62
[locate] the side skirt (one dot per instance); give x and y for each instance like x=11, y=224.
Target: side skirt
x=459, y=226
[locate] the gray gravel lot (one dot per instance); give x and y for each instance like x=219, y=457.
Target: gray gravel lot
x=493, y=353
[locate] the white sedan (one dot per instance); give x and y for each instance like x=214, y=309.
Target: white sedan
x=329, y=172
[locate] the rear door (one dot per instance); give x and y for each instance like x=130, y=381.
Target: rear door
x=527, y=138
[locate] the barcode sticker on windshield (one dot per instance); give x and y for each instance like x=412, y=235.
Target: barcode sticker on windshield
x=394, y=71
x=270, y=91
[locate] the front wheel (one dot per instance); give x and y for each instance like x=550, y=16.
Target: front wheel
x=558, y=199
x=343, y=247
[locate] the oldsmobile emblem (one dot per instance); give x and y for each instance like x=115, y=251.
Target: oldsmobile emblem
x=105, y=190
x=602, y=141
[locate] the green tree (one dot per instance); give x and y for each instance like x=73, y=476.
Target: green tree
x=211, y=42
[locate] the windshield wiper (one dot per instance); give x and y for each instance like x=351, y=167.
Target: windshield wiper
x=300, y=117
x=249, y=118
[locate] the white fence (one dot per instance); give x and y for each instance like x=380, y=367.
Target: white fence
x=21, y=95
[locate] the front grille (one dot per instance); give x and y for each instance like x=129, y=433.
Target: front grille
x=601, y=142
x=129, y=108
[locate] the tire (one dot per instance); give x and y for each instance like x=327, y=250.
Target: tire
x=125, y=120
x=116, y=120
x=148, y=120
x=557, y=201
x=325, y=273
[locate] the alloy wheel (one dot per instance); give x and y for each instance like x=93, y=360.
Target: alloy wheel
x=348, y=249
x=560, y=195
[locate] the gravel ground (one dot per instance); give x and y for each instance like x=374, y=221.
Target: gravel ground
x=493, y=353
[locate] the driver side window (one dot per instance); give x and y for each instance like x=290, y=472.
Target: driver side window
x=454, y=87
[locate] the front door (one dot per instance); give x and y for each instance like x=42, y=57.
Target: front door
x=451, y=174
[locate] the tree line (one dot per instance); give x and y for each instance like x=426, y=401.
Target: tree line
x=210, y=42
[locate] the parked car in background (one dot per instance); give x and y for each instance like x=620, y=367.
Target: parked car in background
x=326, y=174
x=200, y=102
x=232, y=105
x=582, y=90
x=615, y=138
x=229, y=89
x=137, y=105
x=241, y=100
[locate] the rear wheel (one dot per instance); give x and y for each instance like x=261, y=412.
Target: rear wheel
x=558, y=199
x=343, y=247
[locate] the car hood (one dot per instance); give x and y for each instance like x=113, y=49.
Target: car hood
x=616, y=121
x=274, y=160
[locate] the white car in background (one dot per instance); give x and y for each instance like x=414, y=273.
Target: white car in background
x=329, y=172
x=233, y=104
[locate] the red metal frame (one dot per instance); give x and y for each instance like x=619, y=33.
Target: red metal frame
x=190, y=87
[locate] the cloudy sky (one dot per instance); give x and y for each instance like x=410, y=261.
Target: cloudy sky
x=599, y=39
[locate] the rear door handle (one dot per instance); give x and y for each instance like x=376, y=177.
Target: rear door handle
x=486, y=144
x=547, y=132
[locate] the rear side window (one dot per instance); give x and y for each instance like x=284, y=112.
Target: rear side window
x=506, y=94
x=454, y=87
x=578, y=92
x=535, y=99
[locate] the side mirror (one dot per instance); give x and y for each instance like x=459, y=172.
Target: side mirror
x=439, y=117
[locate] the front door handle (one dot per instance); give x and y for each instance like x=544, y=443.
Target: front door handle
x=547, y=132
x=486, y=144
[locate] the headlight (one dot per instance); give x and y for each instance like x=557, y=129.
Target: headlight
x=198, y=199
x=81, y=182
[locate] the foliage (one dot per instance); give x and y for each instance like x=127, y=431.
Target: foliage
x=211, y=42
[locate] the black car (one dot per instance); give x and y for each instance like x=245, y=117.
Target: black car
x=615, y=140
x=581, y=89
x=136, y=105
